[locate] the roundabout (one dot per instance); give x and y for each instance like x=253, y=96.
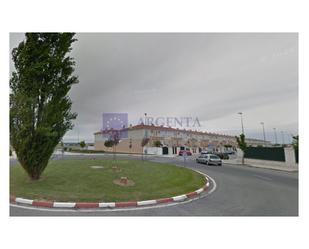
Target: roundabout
x=233, y=190
x=104, y=183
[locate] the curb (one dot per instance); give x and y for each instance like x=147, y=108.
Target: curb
x=287, y=169
x=104, y=205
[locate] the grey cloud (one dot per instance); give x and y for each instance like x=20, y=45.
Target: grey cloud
x=209, y=75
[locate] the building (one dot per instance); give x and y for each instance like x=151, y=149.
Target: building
x=172, y=140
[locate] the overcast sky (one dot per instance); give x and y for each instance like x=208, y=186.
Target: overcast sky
x=211, y=76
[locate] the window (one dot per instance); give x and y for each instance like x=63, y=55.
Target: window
x=214, y=157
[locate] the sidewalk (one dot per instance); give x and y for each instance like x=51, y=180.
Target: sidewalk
x=273, y=167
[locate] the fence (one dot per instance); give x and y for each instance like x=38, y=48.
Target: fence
x=265, y=153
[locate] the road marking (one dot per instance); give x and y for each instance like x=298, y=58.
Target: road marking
x=263, y=177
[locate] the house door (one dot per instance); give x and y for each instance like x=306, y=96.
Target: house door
x=165, y=150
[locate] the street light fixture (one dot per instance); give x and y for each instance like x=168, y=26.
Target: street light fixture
x=146, y=132
x=262, y=123
x=242, y=124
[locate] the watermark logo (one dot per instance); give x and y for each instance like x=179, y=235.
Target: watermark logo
x=182, y=122
x=115, y=124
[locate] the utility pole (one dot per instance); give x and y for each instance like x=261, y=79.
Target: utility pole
x=275, y=132
x=242, y=124
x=262, y=123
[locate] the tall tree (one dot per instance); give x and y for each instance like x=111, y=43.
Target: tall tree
x=241, y=141
x=40, y=109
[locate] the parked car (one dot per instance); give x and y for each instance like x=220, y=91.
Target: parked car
x=181, y=152
x=209, y=159
x=231, y=152
x=201, y=158
x=204, y=152
x=222, y=155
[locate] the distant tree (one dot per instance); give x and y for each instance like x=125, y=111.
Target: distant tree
x=40, y=108
x=241, y=141
x=113, y=141
x=144, y=142
x=82, y=144
x=130, y=145
x=295, y=142
x=108, y=143
x=157, y=143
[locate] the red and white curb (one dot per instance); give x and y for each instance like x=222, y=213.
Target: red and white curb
x=79, y=205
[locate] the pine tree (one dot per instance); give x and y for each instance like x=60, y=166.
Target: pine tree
x=40, y=109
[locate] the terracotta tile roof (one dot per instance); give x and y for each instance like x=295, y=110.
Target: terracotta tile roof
x=164, y=128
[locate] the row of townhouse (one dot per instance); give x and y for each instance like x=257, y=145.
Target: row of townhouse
x=172, y=140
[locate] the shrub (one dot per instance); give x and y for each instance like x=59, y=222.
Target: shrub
x=157, y=143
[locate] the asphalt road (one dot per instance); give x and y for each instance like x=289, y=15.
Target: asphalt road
x=240, y=191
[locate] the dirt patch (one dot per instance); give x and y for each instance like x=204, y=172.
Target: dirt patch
x=128, y=183
x=116, y=169
x=42, y=178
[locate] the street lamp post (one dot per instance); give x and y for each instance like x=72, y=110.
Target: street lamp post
x=242, y=124
x=275, y=132
x=145, y=118
x=146, y=133
x=262, y=123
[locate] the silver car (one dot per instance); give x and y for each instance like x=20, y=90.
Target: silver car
x=201, y=158
x=209, y=159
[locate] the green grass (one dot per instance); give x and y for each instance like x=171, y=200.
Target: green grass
x=75, y=180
